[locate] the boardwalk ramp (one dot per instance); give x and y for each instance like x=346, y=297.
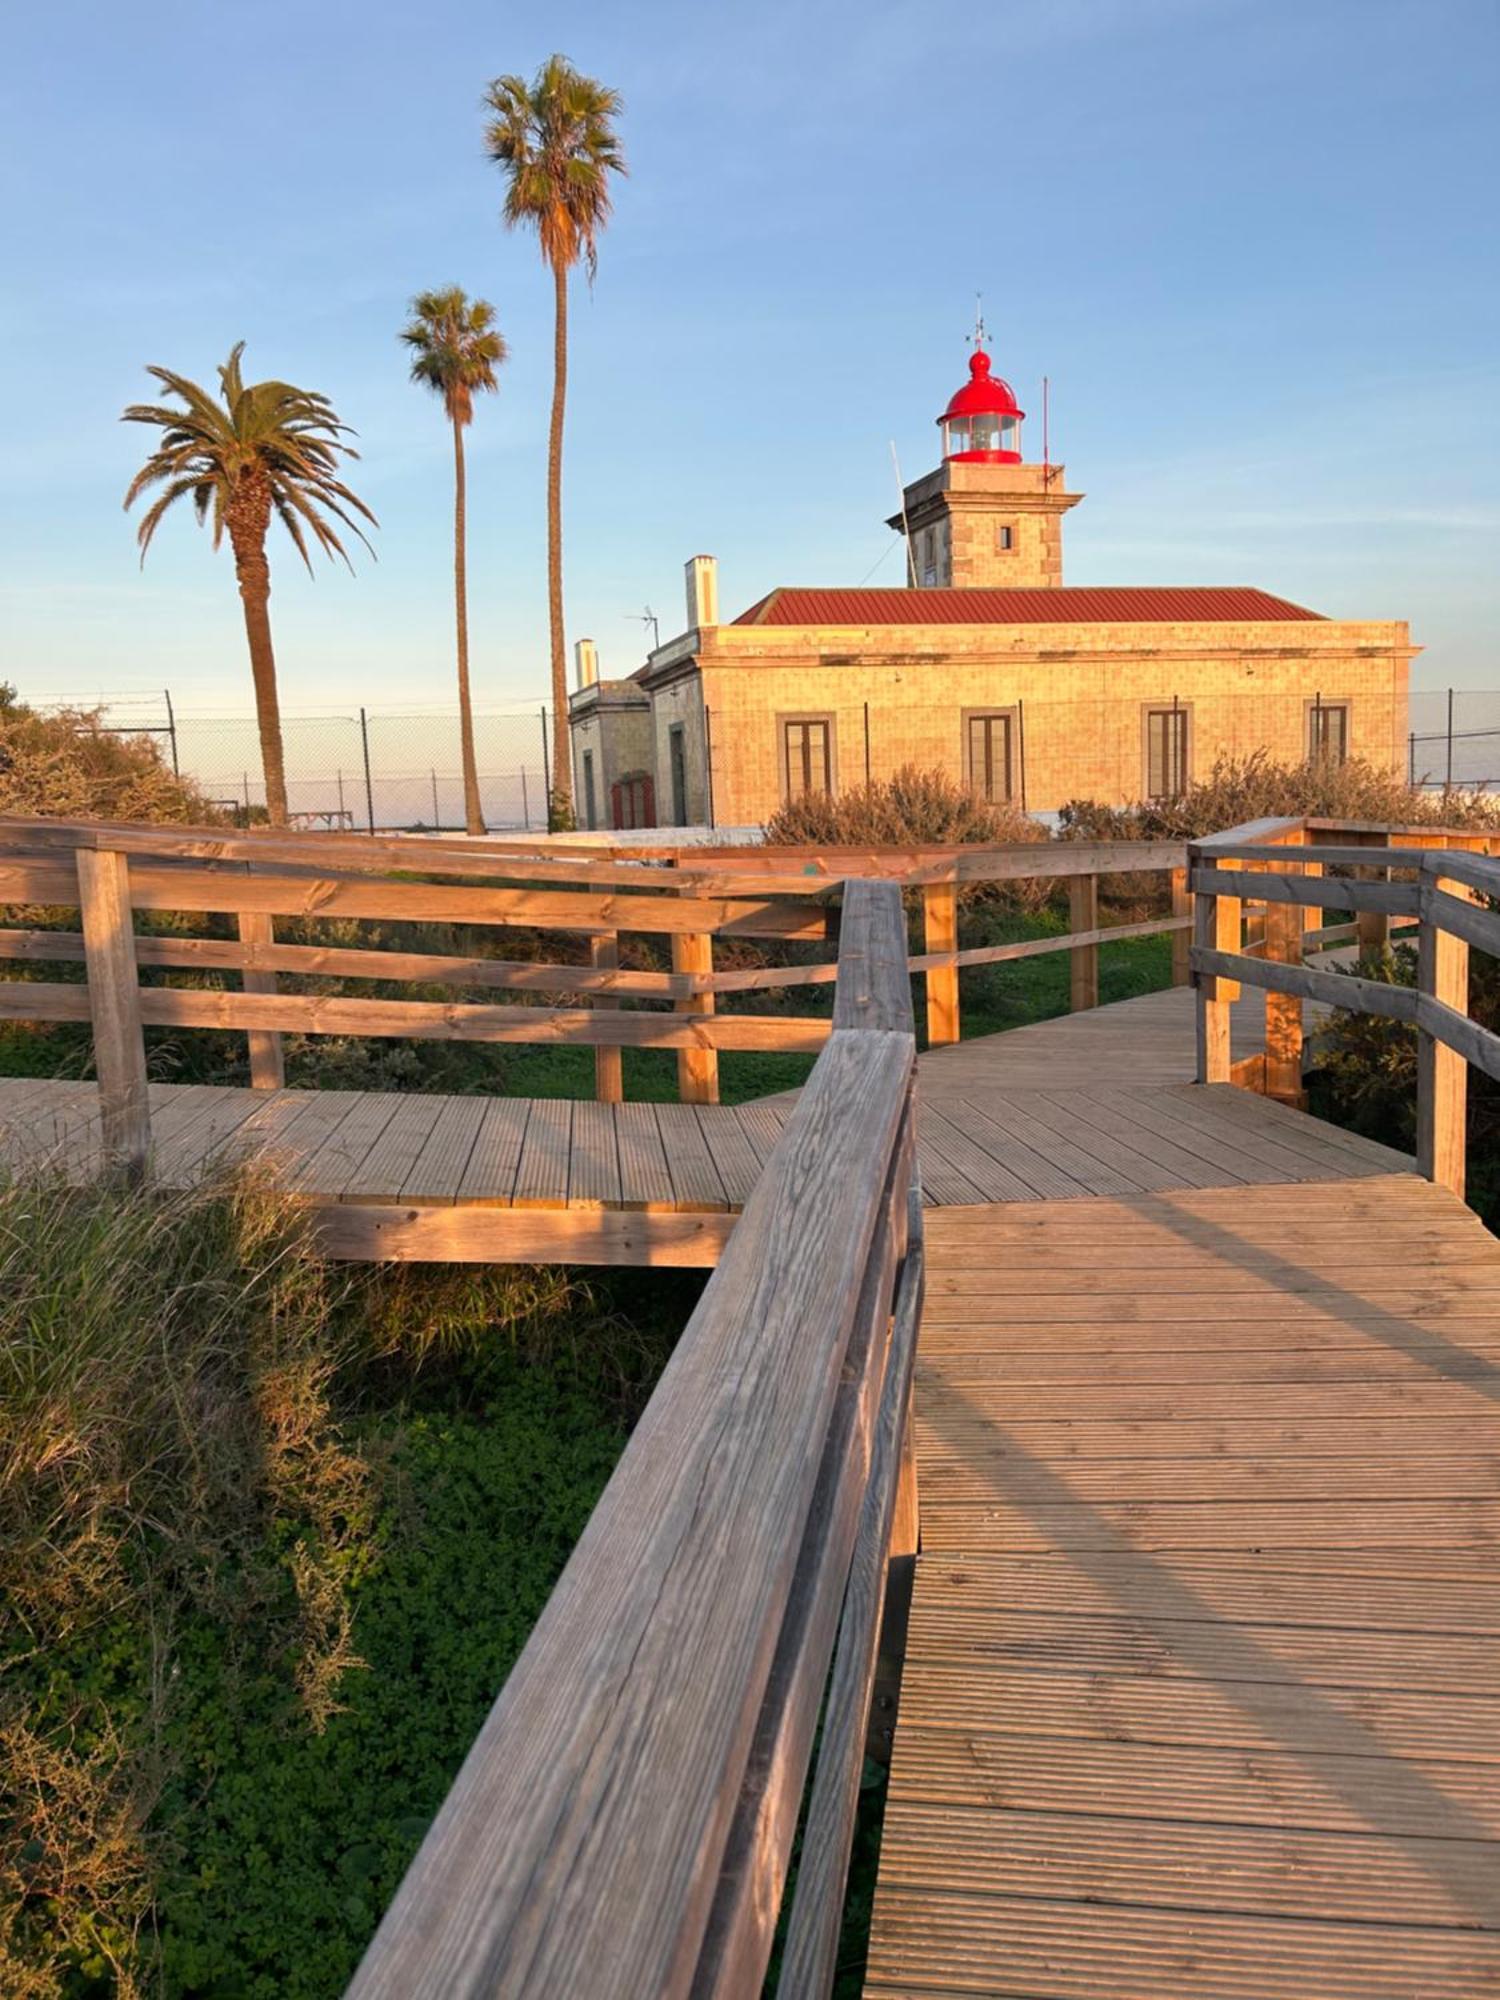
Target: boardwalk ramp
x=1202, y=1685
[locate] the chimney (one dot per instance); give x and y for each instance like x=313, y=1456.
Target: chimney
x=703, y=591
x=586, y=659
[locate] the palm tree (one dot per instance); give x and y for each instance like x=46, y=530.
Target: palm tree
x=266, y=448
x=556, y=141
x=456, y=348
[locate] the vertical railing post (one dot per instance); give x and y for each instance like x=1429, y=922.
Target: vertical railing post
x=1442, y=1073
x=115, y=1009
x=609, y=1064
x=1373, y=927
x=1182, y=941
x=1083, y=960
x=940, y=933
x=267, y=1059
x=697, y=1069
x=1282, y=934
x=1216, y=927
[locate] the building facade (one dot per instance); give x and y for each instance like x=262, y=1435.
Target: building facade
x=986, y=665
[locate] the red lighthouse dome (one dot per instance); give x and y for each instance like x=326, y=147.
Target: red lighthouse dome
x=982, y=424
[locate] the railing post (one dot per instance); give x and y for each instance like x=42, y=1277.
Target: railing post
x=940, y=933
x=1083, y=915
x=267, y=1059
x=1182, y=941
x=1216, y=927
x=115, y=1008
x=609, y=1064
x=1373, y=927
x=1442, y=1073
x=1282, y=934
x=697, y=1069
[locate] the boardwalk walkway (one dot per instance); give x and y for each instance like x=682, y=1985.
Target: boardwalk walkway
x=1089, y=1104
x=1201, y=1694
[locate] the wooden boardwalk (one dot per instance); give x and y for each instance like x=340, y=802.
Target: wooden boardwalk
x=551, y=1180
x=1202, y=1687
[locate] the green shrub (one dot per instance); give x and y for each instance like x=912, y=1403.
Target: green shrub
x=1366, y=1077
x=1258, y=787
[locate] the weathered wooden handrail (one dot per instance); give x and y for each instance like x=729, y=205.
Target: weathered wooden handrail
x=624, y=1821
x=1439, y=883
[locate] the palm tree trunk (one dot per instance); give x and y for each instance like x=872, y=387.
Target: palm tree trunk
x=254, y=575
x=473, y=811
x=562, y=768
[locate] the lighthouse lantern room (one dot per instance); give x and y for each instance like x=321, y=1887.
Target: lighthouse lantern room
x=982, y=423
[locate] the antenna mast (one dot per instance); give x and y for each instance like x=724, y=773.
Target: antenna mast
x=911, y=561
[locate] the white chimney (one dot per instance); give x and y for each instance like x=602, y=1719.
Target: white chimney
x=586, y=658
x=703, y=591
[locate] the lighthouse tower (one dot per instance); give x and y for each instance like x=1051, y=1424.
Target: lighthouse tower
x=985, y=519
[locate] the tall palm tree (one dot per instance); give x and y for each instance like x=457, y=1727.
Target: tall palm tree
x=456, y=348
x=556, y=141
x=264, y=448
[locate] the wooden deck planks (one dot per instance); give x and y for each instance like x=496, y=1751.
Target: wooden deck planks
x=1202, y=1687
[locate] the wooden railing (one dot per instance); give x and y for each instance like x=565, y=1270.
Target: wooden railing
x=1436, y=880
x=110, y=872
x=624, y=1821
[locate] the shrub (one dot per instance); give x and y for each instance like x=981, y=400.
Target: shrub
x=915, y=808
x=69, y=766
x=1367, y=1072
x=1258, y=787
x=167, y=1443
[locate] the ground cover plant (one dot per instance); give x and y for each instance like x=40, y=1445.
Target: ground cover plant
x=271, y=1535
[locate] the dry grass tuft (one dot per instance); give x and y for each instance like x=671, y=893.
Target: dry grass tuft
x=1258, y=787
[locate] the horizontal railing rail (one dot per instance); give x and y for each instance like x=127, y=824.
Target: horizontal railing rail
x=1438, y=881
x=624, y=1821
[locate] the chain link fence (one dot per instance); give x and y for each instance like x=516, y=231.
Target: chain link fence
x=400, y=770
x=365, y=770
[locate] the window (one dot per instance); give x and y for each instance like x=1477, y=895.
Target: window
x=677, y=759
x=590, y=810
x=1005, y=538
x=1327, y=732
x=988, y=751
x=807, y=756
x=1167, y=749
x=929, y=556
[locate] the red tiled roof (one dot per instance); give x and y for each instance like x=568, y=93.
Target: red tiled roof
x=1149, y=605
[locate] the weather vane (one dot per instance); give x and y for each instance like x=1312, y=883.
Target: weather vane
x=980, y=336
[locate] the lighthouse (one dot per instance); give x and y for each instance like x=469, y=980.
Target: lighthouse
x=985, y=518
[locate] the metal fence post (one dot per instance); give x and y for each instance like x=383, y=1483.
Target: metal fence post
x=364, y=737
x=546, y=770
x=172, y=731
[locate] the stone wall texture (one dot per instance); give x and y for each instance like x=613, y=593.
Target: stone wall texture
x=1078, y=696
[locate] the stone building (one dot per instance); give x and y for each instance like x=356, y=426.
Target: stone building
x=986, y=665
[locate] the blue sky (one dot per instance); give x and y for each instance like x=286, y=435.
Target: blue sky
x=1254, y=246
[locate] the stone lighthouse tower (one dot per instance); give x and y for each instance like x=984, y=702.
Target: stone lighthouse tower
x=985, y=518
